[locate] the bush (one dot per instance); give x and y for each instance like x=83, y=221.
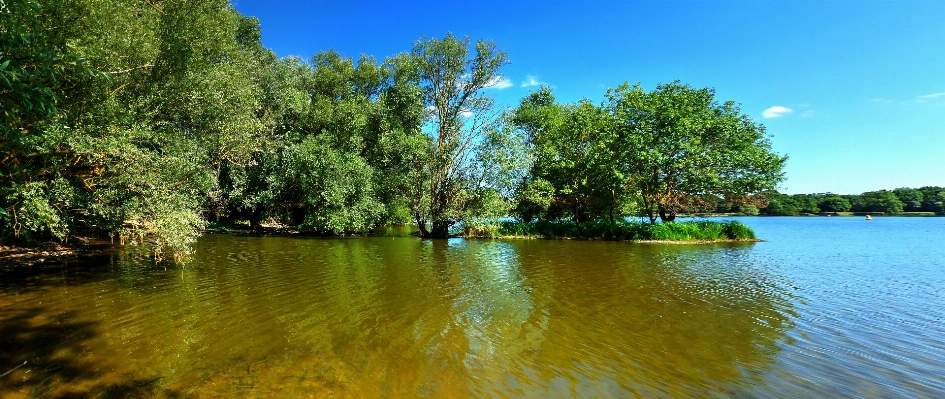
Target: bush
x=681, y=231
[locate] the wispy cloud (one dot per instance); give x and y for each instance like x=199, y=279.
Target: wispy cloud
x=776, y=111
x=933, y=95
x=499, y=82
x=531, y=80
x=430, y=112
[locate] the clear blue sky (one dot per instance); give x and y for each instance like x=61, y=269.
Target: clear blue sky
x=860, y=85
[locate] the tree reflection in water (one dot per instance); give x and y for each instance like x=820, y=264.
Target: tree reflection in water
x=403, y=317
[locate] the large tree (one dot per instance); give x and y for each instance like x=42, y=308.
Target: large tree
x=680, y=144
x=121, y=113
x=576, y=173
x=453, y=79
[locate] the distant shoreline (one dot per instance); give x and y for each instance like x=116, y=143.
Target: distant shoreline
x=844, y=214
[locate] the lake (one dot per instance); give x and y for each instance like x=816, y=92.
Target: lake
x=825, y=307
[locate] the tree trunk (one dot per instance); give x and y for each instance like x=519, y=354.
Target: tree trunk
x=649, y=210
x=667, y=216
x=613, y=198
x=441, y=229
x=255, y=219
x=422, y=225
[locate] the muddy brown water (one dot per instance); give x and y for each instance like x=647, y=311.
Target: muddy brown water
x=826, y=307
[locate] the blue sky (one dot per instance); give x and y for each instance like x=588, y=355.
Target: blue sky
x=852, y=91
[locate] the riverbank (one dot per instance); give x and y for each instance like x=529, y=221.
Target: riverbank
x=688, y=232
x=37, y=253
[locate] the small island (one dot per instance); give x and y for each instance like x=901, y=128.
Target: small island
x=688, y=232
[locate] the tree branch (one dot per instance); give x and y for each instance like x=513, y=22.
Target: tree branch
x=155, y=7
x=119, y=72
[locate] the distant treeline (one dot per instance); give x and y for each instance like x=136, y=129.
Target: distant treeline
x=925, y=199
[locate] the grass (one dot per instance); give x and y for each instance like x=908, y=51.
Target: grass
x=604, y=230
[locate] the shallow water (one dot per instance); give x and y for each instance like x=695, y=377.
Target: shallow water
x=826, y=307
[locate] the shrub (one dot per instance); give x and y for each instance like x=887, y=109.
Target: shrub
x=681, y=231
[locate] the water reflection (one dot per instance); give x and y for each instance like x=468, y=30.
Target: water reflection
x=398, y=317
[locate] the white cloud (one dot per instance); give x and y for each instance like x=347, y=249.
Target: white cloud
x=776, y=111
x=933, y=95
x=531, y=80
x=465, y=113
x=499, y=82
x=429, y=111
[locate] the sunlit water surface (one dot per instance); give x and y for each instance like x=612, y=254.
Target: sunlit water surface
x=827, y=307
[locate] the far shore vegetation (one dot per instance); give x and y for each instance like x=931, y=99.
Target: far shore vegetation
x=149, y=122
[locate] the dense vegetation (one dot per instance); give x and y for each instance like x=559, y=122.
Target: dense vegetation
x=623, y=230
x=898, y=201
x=136, y=119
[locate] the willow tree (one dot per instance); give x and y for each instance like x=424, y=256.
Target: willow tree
x=681, y=145
x=118, y=113
x=459, y=114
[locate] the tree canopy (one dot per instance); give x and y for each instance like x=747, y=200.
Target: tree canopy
x=662, y=152
x=145, y=121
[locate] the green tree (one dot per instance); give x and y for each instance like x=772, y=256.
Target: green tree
x=881, y=201
x=346, y=136
x=911, y=198
x=778, y=205
x=933, y=199
x=834, y=203
x=148, y=102
x=682, y=144
x=575, y=149
x=806, y=203
x=453, y=80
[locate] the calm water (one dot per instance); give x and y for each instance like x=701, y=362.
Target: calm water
x=827, y=307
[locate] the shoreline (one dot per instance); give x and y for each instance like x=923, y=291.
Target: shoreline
x=35, y=254
x=675, y=242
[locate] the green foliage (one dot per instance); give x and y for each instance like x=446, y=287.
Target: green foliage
x=147, y=120
x=333, y=188
x=485, y=208
x=879, y=201
x=133, y=109
x=925, y=199
x=806, y=203
x=748, y=210
x=575, y=161
x=621, y=230
x=664, y=152
x=911, y=198
x=533, y=199
x=681, y=144
x=459, y=115
x=933, y=199
x=834, y=203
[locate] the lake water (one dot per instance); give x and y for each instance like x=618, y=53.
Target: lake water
x=826, y=307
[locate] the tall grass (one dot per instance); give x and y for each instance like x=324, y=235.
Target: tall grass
x=621, y=230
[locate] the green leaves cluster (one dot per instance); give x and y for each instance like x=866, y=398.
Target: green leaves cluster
x=925, y=199
x=117, y=113
x=658, y=153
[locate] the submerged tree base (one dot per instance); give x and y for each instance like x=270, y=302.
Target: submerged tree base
x=680, y=232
